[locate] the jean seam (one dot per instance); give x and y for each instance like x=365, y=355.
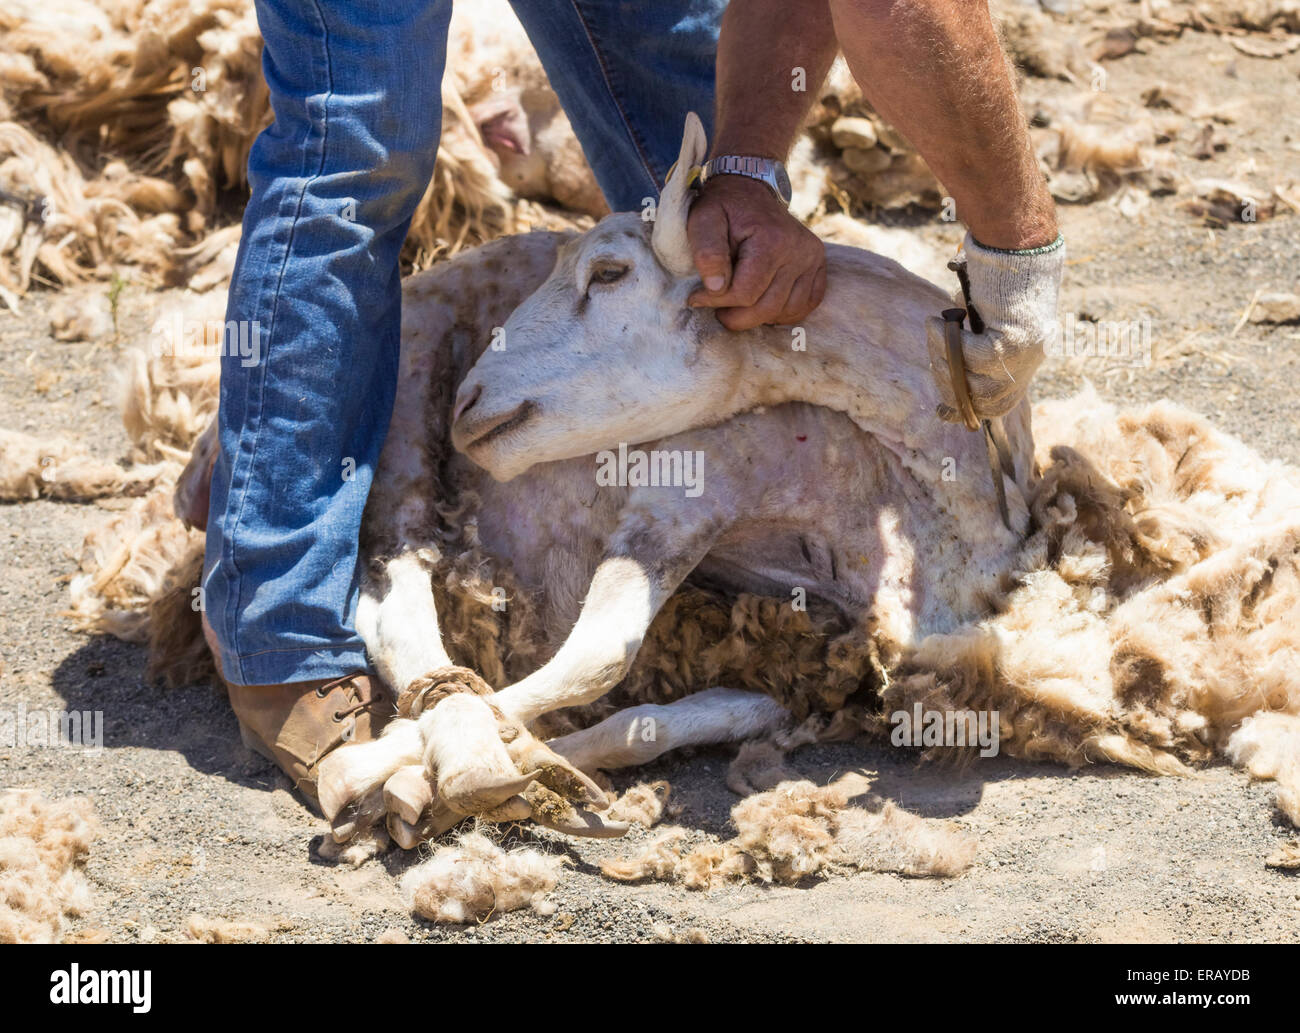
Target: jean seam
x=235, y=599
x=637, y=142
x=350, y=647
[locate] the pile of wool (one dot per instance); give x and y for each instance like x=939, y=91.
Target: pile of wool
x=517, y=114
x=1092, y=145
x=203, y=929
x=1151, y=612
x=55, y=468
x=137, y=580
x=125, y=127
x=43, y=850
x=169, y=388
x=1267, y=745
x=473, y=879
x=797, y=830
x=644, y=803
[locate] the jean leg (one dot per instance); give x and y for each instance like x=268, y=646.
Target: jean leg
x=627, y=72
x=315, y=302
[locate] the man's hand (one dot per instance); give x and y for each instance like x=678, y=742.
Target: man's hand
x=759, y=264
x=1015, y=294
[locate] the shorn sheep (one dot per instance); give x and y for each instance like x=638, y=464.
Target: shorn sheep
x=1143, y=611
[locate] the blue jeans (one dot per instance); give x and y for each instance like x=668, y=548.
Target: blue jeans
x=335, y=180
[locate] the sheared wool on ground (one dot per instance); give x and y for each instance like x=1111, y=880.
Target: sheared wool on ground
x=644, y=803
x=474, y=879
x=55, y=468
x=43, y=850
x=798, y=830
x=125, y=124
x=219, y=930
x=125, y=128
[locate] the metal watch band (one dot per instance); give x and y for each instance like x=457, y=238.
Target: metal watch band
x=740, y=165
x=765, y=170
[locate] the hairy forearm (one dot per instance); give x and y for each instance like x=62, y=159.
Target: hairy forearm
x=762, y=45
x=935, y=70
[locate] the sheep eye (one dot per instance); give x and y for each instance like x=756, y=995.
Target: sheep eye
x=607, y=274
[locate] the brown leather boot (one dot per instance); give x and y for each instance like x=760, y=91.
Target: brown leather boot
x=297, y=724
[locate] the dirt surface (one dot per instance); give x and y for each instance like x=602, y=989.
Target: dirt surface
x=196, y=824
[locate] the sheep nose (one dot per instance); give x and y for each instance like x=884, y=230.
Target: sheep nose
x=464, y=405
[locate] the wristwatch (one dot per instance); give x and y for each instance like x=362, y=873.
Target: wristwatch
x=765, y=170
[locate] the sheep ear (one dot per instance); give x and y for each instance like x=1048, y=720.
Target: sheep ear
x=669, y=236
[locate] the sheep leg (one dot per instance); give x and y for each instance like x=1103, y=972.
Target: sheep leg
x=639, y=573
x=398, y=620
x=408, y=793
x=648, y=557
x=352, y=773
x=490, y=764
x=639, y=734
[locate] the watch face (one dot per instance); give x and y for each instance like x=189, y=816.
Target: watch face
x=783, y=184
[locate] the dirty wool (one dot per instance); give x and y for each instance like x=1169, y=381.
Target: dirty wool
x=43, y=849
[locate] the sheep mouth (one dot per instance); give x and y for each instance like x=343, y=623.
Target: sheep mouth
x=492, y=429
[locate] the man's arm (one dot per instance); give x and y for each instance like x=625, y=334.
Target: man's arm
x=759, y=264
x=934, y=70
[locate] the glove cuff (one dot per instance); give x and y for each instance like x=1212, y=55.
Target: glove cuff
x=1015, y=288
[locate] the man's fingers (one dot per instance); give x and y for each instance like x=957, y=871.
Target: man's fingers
x=768, y=308
x=800, y=302
x=819, y=286
x=708, y=233
x=756, y=267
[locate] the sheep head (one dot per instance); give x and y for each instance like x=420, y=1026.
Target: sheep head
x=606, y=350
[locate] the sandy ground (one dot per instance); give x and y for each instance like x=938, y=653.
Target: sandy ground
x=196, y=824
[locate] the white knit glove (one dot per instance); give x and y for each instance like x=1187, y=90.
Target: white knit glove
x=1015, y=293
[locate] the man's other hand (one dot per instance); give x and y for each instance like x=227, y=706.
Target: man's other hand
x=758, y=263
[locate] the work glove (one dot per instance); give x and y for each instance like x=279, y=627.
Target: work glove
x=1014, y=297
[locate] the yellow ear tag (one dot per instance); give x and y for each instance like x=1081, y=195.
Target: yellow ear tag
x=692, y=180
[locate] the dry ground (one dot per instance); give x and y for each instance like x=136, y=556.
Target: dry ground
x=195, y=824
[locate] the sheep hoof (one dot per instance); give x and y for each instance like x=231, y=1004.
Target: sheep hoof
x=438, y=819
x=557, y=774
x=476, y=789
x=514, y=809
x=404, y=835
x=358, y=816
x=553, y=811
x=351, y=772
x=407, y=794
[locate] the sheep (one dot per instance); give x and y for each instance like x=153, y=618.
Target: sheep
x=1064, y=625
x=640, y=569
